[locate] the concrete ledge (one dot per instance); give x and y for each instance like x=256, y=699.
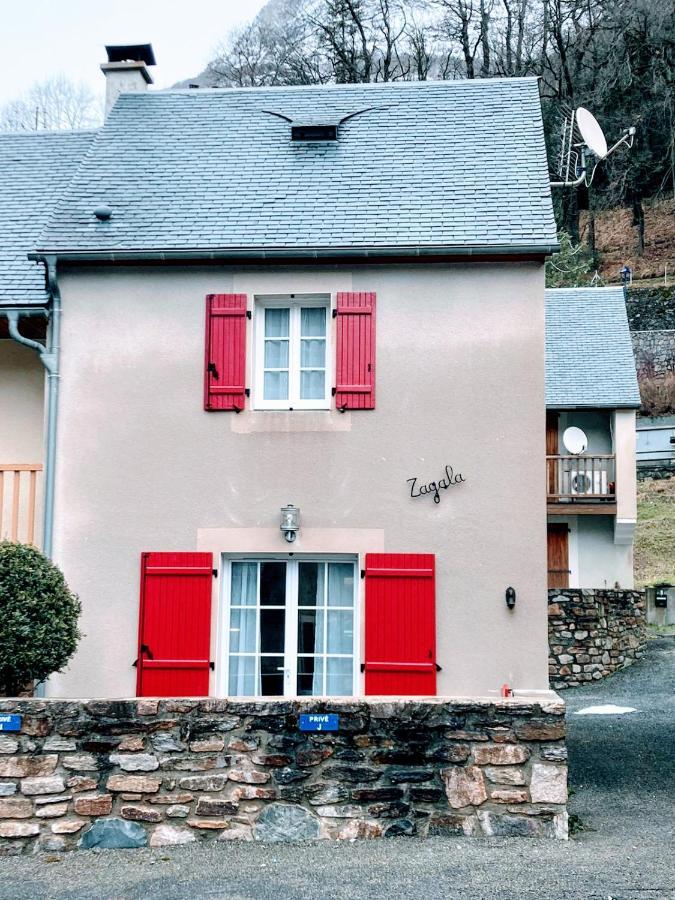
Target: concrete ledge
x=138, y=772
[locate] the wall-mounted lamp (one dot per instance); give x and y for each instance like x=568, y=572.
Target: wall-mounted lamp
x=510, y=597
x=290, y=522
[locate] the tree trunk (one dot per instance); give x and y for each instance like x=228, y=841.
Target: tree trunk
x=639, y=223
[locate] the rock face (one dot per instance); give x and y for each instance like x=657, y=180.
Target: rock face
x=464, y=787
x=281, y=822
x=548, y=784
x=128, y=773
x=113, y=834
x=592, y=634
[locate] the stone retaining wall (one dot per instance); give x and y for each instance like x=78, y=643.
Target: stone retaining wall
x=654, y=352
x=593, y=633
x=131, y=773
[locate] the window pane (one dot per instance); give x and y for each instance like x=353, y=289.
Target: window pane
x=276, y=354
x=310, y=583
x=340, y=584
x=242, y=676
x=310, y=631
x=272, y=584
x=312, y=385
x=272, y=622
x=310, y=676
x=244, y=583
x=276, y=322
x=339, y=679
x=272, y=676
x=242, y=631
x=313, y=354
x=340, y=635
x=313, y=321
x=276, y=386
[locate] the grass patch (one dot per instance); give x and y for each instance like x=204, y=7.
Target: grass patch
x=655, y=536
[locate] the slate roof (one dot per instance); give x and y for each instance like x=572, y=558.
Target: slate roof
x=589, y=353
x=437, y=166
x=35, y=168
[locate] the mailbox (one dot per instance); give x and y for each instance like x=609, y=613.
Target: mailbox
x=661, y=595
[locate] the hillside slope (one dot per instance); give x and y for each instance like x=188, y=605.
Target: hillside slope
x=616, y=242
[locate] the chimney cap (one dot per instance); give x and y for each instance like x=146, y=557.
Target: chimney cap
x=131, y=52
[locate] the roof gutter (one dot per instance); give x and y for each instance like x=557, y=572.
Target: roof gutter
x=250, y=253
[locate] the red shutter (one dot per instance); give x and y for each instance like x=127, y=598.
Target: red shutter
x=225, y=360
x=174, y=635
x=400, y=624
x=355, y=353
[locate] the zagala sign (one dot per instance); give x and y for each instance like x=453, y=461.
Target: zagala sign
x=435, y=487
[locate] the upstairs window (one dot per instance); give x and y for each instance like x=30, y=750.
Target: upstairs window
x=292, y=338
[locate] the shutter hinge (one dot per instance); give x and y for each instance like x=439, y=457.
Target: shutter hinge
x=438, y=668
x=214, y=572
x=333, y=391
x=335, y=313
x=212, y=666
x=247, y=391
x=248, y=313
x=363, y=573
x=363, y=667
x=213, y=370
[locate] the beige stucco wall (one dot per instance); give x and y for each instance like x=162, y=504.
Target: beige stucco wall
x=21, y=425
x=460, y=380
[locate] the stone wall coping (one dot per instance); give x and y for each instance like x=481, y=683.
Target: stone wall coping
x=546, y=700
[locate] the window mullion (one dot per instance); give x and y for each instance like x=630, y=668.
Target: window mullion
x=325, y=628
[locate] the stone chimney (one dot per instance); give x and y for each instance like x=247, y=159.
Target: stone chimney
x=126, y=71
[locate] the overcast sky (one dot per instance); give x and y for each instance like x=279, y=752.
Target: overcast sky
x=40, y=38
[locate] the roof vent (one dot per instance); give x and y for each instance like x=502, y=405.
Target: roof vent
x=314, y=132
x=103, y=212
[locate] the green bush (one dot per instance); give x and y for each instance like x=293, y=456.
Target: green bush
x=38, y=618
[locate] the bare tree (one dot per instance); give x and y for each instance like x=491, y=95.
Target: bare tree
x=52, y=105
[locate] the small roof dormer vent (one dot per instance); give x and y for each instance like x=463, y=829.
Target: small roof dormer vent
x=314, y=131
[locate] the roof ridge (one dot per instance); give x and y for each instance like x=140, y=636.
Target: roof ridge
x=366, y=85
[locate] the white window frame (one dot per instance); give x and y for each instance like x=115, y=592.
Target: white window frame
x=294, y=302
x=290, y=653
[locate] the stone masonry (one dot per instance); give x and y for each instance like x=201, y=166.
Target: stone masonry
x=133, y=773
x=593, y=633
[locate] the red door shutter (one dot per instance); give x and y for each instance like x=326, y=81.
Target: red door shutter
x=400, y=624
x=225, y=358
x=174, y=635
x=355, y=352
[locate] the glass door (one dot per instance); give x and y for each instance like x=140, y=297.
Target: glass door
x=290, y=628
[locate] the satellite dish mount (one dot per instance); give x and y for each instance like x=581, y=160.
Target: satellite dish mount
x=582, y=140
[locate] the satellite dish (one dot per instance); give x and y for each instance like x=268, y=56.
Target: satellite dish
x=591, y=132
x=575, y=440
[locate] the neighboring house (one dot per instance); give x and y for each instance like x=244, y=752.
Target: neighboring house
x=591, y=384
x=331, y=297
x=35, y=168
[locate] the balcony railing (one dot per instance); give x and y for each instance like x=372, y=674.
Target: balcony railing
x=18, y=494
x=581, y=479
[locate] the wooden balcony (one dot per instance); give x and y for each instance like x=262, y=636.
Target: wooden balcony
x=586, y=483
x=18, y=497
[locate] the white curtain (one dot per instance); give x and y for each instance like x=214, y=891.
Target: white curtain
x=243, y=675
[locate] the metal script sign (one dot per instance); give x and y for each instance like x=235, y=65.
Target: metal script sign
x=319, y=722
x=435, y=487
x=10, y=722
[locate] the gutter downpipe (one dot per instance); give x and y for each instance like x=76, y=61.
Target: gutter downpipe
x=50, y=358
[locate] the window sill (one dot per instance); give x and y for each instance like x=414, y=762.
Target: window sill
x=284, y=420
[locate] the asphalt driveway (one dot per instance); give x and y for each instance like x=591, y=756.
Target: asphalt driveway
x=622, y=771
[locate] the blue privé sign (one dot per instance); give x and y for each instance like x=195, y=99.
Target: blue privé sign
x=319, y=722
x=10, y=722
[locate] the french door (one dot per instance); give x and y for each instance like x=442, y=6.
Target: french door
x=290, y=627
